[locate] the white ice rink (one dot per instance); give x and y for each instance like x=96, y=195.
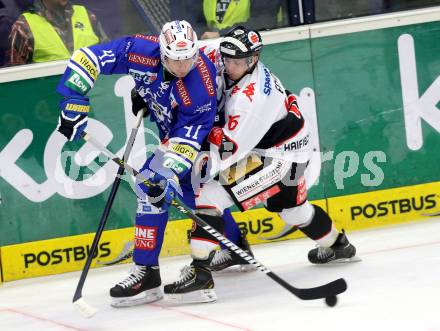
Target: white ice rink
x=395, y=287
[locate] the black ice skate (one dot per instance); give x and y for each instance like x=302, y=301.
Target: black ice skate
x=141, y=286
x=340, y=251
x=195, y=285
x=224, y=258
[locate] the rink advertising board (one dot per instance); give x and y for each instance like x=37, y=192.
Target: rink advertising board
x=370, y=88
x=54, y=256
x=379, y=208
x=60, y=255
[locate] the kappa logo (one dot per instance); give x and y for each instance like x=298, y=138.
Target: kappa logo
x=145, y=237
x=249, y=91
x=211, y=55
x=235, y=89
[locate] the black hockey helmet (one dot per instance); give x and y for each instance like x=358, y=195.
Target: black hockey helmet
x=241, y=42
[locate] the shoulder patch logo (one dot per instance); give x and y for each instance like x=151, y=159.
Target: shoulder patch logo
x=77, y=83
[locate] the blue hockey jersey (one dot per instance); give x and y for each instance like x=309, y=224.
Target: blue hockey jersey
x=183, y=109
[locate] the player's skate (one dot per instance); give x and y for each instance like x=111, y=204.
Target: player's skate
x=225, y=259
x=340, y=251
x=195, y=285
x=141, y=286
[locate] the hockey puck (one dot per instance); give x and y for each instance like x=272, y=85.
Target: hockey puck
x=331, y=301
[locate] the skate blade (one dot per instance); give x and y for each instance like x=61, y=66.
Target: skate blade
x=148, y=296
x=237, y=268
x=201, y=296
x=342, y=261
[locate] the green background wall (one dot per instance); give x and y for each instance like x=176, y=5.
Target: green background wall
x=356, y=80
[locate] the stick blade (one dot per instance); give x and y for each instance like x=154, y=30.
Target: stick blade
x=331, y=289
x=84, y=308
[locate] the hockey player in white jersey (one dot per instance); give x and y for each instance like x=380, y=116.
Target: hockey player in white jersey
x=260, y=154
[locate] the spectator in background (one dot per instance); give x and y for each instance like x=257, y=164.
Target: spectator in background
x=51, y=30
x=9, y=12
x=215, y=17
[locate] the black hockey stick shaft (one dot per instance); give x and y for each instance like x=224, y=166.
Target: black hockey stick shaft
x=331, y=289
x=107, y=208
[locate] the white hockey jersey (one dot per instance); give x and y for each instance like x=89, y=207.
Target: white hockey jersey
x=261, y=118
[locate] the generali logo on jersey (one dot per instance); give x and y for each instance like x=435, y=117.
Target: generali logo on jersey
x=145, y=237
x=143, y=60
x=146, y=37
x=183, y=92
x=206, y=77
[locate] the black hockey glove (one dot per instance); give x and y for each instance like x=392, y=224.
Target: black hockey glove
x=138, y=103
x=73, y=118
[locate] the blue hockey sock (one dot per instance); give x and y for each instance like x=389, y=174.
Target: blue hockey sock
x=149, y=235
x=232, y=231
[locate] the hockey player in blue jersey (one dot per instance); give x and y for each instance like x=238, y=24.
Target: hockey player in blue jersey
x=178, y=86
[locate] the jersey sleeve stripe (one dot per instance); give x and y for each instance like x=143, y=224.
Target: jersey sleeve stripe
x=82, y=61
x=92, y=57
x=179, y=140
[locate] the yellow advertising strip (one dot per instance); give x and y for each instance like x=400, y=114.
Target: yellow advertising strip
x=59, y=255
x=393, y=206
x=54, y=256
x=1, y=274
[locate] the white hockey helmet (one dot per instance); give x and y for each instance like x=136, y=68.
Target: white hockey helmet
x=178, y=41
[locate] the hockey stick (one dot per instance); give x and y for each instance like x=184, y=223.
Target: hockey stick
x=327, y=291
x=83, y=307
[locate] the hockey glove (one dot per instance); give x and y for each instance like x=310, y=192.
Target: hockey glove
x=226, y=147
x=163, y=189
x=73, y=118
x=138, y=103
